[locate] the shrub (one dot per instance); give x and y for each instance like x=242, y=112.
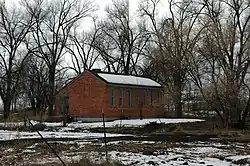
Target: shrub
x=39, y=127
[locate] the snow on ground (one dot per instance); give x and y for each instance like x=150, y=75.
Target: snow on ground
x=123, y=123
x=131, y=122
x=193, y=156
x=70, y=131
x=19, y=124
x=192, y=153
x=235, y=158
x=11, y=124
x=196, y=154
x=11, y=135
x=164, y=160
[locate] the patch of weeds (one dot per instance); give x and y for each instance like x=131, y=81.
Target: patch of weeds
x=170, y=128
x=118, y=129
x=87, y=162
x=130, y=147
x=15, y=117
x=38, y=126
x=220, y=157
x=230, y=134
x=242, y=161
x=152, y=127
x=177, y=128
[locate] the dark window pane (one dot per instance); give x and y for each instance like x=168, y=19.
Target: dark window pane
x=121, y=98
x=129, y=98
x=138, y=97
x=151, y=97
x=112, y=97
x=145, y=97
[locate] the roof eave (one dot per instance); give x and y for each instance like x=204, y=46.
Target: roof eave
x=134, y=85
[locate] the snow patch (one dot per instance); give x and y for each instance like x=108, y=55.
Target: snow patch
x=237, y=158
x=11, y=135
x=130, y=123
x=164, y=160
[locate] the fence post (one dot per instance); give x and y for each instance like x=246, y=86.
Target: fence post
x=105, y=137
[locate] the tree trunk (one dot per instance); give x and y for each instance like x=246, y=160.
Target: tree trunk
x=7, y=103
x=178, y=104
x=177, y=94
x=242, y=118
x=51, y=91
x=8, y=98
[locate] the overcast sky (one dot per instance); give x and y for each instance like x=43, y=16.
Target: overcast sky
x=101, y=4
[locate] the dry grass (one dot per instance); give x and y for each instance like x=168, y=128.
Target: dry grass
x=87, y=162
x=82, y=162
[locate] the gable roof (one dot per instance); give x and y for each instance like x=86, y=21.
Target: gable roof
x=118, y=79
x=121, y=79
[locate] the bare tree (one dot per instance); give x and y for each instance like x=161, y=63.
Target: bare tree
x=53, y=25
x=81, y=49
x=174, y=39
x=15, y=24
x=35, y=84
x=123, y=42
x=224, y=56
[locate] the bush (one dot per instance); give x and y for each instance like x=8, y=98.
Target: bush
x=172, y=128
x=152, y=126
x=39, y=127
x=161, y=127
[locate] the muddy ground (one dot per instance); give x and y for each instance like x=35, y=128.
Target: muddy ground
x=146, y=140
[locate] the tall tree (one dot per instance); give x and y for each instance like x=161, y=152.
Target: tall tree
x=53, y=26
x=123, y=41
x=34, y=84
x=224, y=55
x=82, y=51
x=15, y=24
x=174, y=39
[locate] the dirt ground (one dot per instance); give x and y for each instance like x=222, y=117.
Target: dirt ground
x=31, y=153
x=165, y=137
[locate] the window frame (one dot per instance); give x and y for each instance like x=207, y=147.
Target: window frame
x=121, y=97
x=159, y=97
x=138, y=97
x=145, y=97
x=129, y=98
x=112, y=97
x=151, y=97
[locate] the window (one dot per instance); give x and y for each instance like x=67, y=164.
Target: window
x=121, y=97
x=145, y=97
x=159, y=97
x=64, y=105
x=129, y=98
x=138, y=97
x=112, y=97
x=151, y=97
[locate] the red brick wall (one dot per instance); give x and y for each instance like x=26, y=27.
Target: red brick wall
x=88, y=96
x=136, y=110
x=85, y=96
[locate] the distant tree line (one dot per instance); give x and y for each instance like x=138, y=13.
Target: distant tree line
x=203, y=43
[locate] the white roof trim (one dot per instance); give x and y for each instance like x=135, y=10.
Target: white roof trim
x=128, y=80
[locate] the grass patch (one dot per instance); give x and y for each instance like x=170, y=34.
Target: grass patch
x=149, y=128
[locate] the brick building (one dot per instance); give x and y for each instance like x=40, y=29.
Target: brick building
x=118, y=96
